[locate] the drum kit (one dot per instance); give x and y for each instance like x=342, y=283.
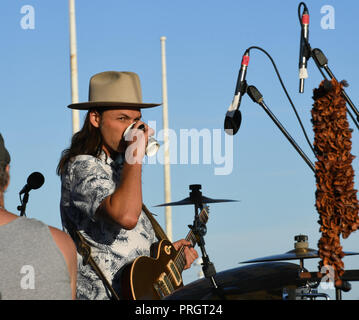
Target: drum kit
x=269, y=277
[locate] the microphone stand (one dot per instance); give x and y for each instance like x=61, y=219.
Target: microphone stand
x=24, y=201
x=258, y=98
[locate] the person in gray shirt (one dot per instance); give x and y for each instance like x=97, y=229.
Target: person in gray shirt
x=101, y=191
x=37, y=262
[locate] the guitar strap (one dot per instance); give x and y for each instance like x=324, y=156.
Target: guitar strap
x=160, y=234
x=84, y=248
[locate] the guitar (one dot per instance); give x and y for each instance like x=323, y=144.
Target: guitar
x=148, y=278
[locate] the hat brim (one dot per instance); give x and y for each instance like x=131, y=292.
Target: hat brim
x=110, y=104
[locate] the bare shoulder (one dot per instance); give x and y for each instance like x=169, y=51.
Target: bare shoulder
x=63, y=240
x=68, y=249
x=6, y=217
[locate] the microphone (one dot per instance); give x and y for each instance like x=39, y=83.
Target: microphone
x=303, y=49
x=34, y=181
x=233, y=118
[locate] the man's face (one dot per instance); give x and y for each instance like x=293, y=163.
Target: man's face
x=112, y=124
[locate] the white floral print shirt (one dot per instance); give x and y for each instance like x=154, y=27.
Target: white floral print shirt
x=86, y=182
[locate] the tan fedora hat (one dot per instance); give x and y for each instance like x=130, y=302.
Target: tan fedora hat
x=112, y=89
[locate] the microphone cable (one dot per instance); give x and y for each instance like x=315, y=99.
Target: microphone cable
x=286, y=92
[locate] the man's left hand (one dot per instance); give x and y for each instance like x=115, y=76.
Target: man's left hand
x=190, y=253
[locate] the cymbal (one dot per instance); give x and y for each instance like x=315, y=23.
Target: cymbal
x=189, y=200
x=302, y=253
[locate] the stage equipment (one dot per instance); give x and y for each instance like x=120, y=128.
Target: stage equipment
x=233, y=119
x=304, y=53
x=260, y=281
x=300, y=252
x=321, y=60
x=34, y=181
x=257, y=97
x=199, y=229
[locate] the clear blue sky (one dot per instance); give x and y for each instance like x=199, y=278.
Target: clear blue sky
x=205, y=43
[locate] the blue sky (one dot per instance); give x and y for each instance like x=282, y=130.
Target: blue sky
x=205, y=43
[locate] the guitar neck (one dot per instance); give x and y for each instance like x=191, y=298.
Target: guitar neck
x=180, y=258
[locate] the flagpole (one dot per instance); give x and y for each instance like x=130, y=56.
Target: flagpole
x=73, y=66
x=167, y=179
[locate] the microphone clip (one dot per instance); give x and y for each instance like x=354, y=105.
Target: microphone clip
x=243, y=88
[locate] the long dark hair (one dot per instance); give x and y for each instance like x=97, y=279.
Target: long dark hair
x=87, y=141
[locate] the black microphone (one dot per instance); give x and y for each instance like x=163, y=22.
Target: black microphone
x=233, y=118
x=304, y=53
x=34, y=181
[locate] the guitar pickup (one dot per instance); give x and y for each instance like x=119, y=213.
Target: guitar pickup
x=174, y=271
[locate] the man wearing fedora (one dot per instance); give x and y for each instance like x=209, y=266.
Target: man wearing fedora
x=101, y=194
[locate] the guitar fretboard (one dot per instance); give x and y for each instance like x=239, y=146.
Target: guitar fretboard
x=180, y=259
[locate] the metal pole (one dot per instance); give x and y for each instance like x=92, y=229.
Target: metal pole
x=73, y=64
x=168, y=209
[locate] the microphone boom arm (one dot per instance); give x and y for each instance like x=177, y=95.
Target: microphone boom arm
x=322, y=62
x=258, y=98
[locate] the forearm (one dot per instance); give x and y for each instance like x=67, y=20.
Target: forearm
x=125, y=204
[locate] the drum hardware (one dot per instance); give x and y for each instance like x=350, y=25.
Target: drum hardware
x=199, y=229
x=349, y=275
x=302, y=251
x=303, y=293
x=309, y=290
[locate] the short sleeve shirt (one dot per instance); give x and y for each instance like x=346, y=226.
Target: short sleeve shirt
x=86, y=182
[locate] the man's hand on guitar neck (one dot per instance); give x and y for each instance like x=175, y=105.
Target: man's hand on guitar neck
x=190, y=253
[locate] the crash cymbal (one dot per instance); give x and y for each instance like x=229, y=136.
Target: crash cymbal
x=189, y=200
x=301, y=251
x=294, y=254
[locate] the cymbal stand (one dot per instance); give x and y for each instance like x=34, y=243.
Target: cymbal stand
x=199, y=229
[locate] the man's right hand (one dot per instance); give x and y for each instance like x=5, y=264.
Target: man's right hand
x=137, y=139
